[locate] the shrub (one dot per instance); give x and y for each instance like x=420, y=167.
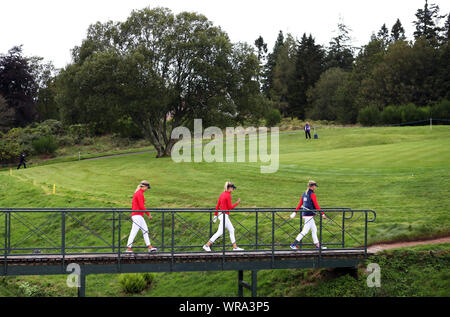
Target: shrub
x=369, y=116
x=78, y=132
x=28, y=290
x=441, y=110
x=65, y=140
x=391, y=115
x=273, y=118
x=410, y=113
x=45, y=145
x=87, y=141
x=149, y=278
x=132, y=283
x=9, y=151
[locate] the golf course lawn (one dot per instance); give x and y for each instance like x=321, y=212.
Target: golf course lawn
x=402, y=173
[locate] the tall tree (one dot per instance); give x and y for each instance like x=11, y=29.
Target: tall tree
x=397, y=32
x=162, y=71
x=283, y=74
x=427, y=23
x=309, y=65
x=18, y=86
x=383, y=36
x=340, y=51
x=271, y=62
x=261, y=47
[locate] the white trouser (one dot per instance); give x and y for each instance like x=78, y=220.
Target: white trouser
x=138, y=223
x=308, y=225
x=228, y=226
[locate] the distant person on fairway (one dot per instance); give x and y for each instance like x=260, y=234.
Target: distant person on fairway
x=137, y=217
x=22, y=161
x=224, y=204
x=308, y=202
x=307, y=131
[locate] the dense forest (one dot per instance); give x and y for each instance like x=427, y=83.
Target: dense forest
x=156, y=70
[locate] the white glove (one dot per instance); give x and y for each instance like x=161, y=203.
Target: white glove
x=214, y=219
x=293, y=215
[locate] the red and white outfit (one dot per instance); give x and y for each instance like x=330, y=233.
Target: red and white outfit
x=137, y=217
x=224, y=204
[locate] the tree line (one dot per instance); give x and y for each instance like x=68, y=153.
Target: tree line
x=157, y=70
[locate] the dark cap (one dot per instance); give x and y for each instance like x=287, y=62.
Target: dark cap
x=231, y=185
x=146, y=184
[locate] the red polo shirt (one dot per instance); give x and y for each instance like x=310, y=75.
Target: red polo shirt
x=138, y=203
x=224, y=203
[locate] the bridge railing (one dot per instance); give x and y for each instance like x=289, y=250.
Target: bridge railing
x=64, y=231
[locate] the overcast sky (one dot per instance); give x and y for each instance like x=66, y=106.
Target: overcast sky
x=51, y=28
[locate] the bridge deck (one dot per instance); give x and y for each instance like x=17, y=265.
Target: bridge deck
x=188, y=257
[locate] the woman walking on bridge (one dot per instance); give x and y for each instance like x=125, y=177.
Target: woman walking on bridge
x=137, y=217
x=224, y=204
x=308, y=202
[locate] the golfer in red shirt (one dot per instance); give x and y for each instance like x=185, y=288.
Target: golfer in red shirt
x=224, y=204
x=137, y=217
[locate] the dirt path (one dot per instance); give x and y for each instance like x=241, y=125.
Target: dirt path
x=386, y=246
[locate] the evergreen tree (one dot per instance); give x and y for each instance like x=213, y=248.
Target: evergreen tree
x=446, y=30
x=427, y=23
x=262, y=48
x=383, y=36
x=309, y=65
x=340, y=52
x=397, y=32
x=271, y=62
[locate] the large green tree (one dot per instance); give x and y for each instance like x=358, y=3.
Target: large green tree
x=162, y=71
x=18, y=86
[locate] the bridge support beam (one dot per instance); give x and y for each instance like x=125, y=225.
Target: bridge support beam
x=82, y=285
x=242, y=283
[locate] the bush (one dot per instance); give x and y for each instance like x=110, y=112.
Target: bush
x=9, y=151
x=78, y=132
x=45, y=145
x=149, y=278
x=132, y=283
x=28, y=290
x=273, y=118
x=66, y=140
x=391, y=115
x=369, y=116
x=441, y=110
x=410, y=113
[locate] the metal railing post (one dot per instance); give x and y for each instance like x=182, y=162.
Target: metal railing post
x=6, y=244
x=173, y=241
x=119, y=241
x=256, y=230
x=365, y=235
x=162, y=229
x=343, y=229
x=63, y=237
x=9, y=231
x=114, y=231
x=301, y=228
x=223, y=236
x=273, y=238
x=320, y=238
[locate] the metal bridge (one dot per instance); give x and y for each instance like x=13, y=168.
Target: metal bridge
x=45, y=241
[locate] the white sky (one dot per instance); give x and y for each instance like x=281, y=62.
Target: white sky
x=51, y=28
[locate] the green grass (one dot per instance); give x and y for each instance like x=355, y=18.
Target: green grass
x=401, y=173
